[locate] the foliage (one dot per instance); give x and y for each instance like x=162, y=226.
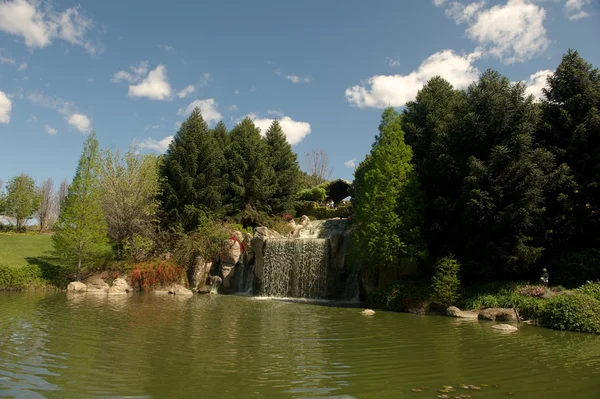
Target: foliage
x=573, y=267
x=574, y=312
x=285, y=166
x=401, y=296
x=20, y=278
x=532, y=290
x=22, y=200
x=251, y=176
x=81, y=232
x=193, y=183
x=204, y=243
x=591, y=289
x=157, y=274
x=137, y=248
x=387, y=201
x=446, y=281
x=312, y=209
x=316, y=194
x=129, y=184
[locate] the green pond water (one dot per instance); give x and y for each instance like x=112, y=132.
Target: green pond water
x=148, y=346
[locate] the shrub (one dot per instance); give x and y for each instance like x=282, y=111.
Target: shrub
x=317, y=194
x=149, y=275
x=20, y=278
x=446, y=282
x=575, y=312
x=137, y=248
x=532, y=290
x=575, y=268
x=310, y=208
x=401, y=296
x=591, y=289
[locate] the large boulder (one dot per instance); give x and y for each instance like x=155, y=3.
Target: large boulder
x=76, y=286
x=231, y=251
x=227, y=272
x=453, y=311
x=177, y=289
x=199, y=274
x=120, y=287
x=505, y=327
x=97, y=286
x=500, y=314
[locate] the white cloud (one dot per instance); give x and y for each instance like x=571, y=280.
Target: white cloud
x=5, y=108
x=5, y=59
x=32, y=118
x=38, y=27
x=166, y=48
x=439, y=3
x=208, y=108
x=50, y=130
x=393, y=62
x=186, y=91
x=156, y=145
x=22, y=67
x=155, y=86
x=232, y=107
x=575, y=9
x=80, y=122
x=136, y=74
x=512, y=32
x=298, y=79
x=396, y=90
x=236, y=92
x=537, y=82
x=278, y=72
x=351, y=163
x=294, y=131
x=275, y=112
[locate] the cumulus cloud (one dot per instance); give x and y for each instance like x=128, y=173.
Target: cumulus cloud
x=50, y=130
x=5, y=108
x=512, y=32
x=67, y=109
x=160, y=146
x=351, y=163
x=80, y=122
x=40, y=26
x=135, y=73
x=576, y=9
x=294, y=131
x=155, y=86
x=298, y=79
x=439, y=3
x=381, y=91
x=537, y=82
x=190, y=89
x=208, y=108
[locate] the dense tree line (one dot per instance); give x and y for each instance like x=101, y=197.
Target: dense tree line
x=213, y=173
x=504, y=180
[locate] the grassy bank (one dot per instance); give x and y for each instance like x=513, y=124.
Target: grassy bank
x=553, y=307
x=26, y=262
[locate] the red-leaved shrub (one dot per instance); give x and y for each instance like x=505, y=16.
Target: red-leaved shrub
x=148, y=275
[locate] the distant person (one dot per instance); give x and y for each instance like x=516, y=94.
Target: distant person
x=545, y=277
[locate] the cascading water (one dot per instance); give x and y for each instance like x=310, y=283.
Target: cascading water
x=351, y=290
x=296, y=268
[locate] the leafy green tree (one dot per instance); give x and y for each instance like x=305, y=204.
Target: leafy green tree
x=22, y=200
x=81, y=233
x=192, y=181
x=251, y=176
x=571, y=131
x=129, y=184
x=387, y=200
x=284, y=162
x=445, y=285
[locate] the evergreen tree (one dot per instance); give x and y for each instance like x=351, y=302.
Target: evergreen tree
x=387, y=200
x=571, y=131
x=81, y=233
x=193, y=184
x=285, y=165
x=22, y=200
x=251, y=176
x=221, y=134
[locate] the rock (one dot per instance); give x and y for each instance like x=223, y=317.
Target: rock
x=200, y=274
x=304, y=221
x=456, y=312
x=177, y=289
x=231, y=251
x=227, y=272
x=120, y=287
x=505, y=327
x=500, y=314
x=97, y=286
x=368, y=312
x=76, y=286
x=216, y=281
x=204, y=290
x=419, y=311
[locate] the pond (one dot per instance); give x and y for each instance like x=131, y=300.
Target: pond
x=151, y=346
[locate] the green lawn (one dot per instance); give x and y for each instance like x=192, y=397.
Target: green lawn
x=17, y=250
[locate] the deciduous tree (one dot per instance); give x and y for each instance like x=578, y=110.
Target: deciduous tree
x=22, y=200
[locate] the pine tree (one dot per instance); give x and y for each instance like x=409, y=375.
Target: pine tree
x=221, y=134
x=81, y=233
x=251, y=176
x=285, y=165
x=571, y=131
x=387, y=200
x=193, y=185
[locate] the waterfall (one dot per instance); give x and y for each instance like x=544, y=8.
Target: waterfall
x=351, y=290
x=248, y=278
x=296, y=268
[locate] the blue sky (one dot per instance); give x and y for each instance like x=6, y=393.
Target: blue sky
x=132, y=70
